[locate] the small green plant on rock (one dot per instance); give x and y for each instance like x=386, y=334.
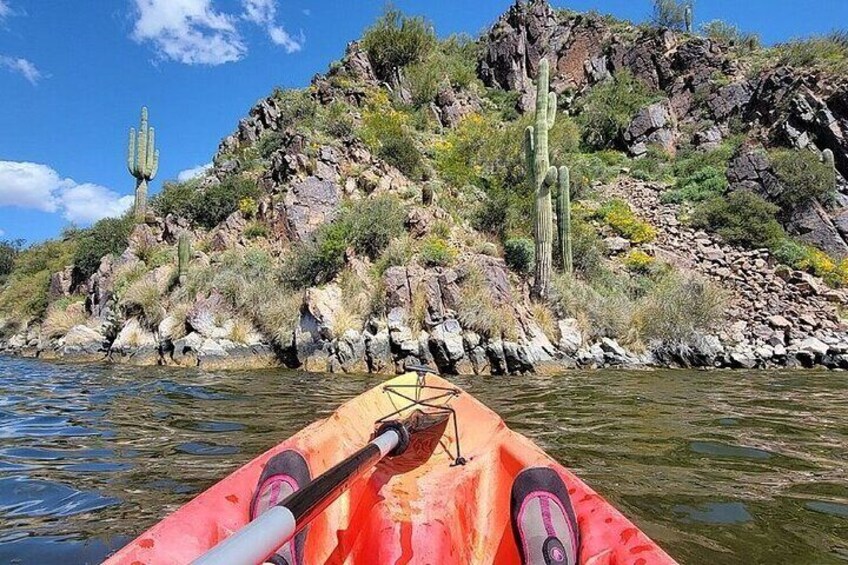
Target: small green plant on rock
x=436, y=252
x=520, y=255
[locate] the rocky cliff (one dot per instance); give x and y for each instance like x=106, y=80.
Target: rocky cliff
x=704, y=92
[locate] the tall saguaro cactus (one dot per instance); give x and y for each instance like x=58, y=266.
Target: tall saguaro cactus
x=564, y=220
x=687, y=18
x=829, y=160
x=142, y=162
x=183, y=256
x=542, y=177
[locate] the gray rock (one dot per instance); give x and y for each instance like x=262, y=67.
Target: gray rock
x=652, y=125
x=571, y=338
x=616, y=245
x=446, y=345
x=309, y=204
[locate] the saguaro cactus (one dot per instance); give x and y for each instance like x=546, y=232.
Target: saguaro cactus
x=183, y=256
x=142, y=162
x=542, y=177
x=829, y=160
x=687, y=18
x=564, y=219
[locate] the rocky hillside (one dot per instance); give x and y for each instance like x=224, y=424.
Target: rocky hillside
x=382, y=216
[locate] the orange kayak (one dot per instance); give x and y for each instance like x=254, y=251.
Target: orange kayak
x=430, y=513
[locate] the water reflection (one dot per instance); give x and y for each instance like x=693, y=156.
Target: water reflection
x=718, y=467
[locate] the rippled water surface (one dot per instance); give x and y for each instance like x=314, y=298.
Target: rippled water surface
x=717, y=467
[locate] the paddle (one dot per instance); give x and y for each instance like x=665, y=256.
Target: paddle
x=264, y=535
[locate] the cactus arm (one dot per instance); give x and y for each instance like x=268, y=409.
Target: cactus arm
x=551, y=177
x=552, y=109
x=141, y=146
x=131, y=153
x=155, y=165
x=183, y=256
x=564, y=219
x=148, y=162
x=530, y=153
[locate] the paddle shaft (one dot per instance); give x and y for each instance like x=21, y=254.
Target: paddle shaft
x=273, y=528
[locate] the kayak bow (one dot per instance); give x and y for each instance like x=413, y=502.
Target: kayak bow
x=429, y=505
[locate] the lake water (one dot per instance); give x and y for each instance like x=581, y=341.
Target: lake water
x=718, y=467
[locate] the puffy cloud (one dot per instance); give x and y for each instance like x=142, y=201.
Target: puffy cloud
x=193, y=172
x=5, y=10
x=21, y=66
x=38, y=187
x=188, y=31
x=264, y=13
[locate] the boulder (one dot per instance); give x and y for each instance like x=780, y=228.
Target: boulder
x=308, y=204
x=652, y=125
x=446, y=345
x=135, y=345
x=571, y=338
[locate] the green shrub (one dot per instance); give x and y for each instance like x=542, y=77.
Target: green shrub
x=729, y=34
x=609, y=108
x=453, y=62
x=520, y=255
x=808, y=258
x=270, y=143
x=366, y=226
x=701, y=185
x=175, y=198
x=337, y=120
x=638, y=261
x=386, y=131
x=25, y=292
x=587, y=247
x=741, y=218
x=436, y=252
x=398, y=253
x=670, y=14
x=618, y=215
x=396, y=41
x=297, y=109
x=678, y=308
x=213, y=205
x=9, y=249
x=602, y=310
x=803, y=176
x=828, y=53
x=108, y=236
x=255, y=230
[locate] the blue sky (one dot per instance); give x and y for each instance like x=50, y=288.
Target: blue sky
x=73, y=76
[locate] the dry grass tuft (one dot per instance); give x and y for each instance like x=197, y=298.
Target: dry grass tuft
x=60, y=318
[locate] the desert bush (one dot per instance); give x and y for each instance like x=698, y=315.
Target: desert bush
x=436, y=252
x=670, y=14
x=609, y=108
x=803, y=176
x=297, y=109
x=618, y=215
x=730, y=34
x=395, y=41
x=270, y=142
x=61, y=316
x=586, y=246
x=248, y=207
x=605, y=311
x=256, y=230
x=520, y=255
x=638, y=261
x=367, y=226
x=398, y=253
x=279, y=315
x=828, y=52
x=679, y=307
x=386, y=131
x=478, y=311
x=9, y=249
x=175, y=198
x=703, y=184
x=336, y=120
x=144, y=299
x=108, y=236
x=741, y=218
x=214, y=204
x=808, y=258
x=453, y=62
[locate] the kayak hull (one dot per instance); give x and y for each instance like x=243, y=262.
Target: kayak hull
x=411, y=510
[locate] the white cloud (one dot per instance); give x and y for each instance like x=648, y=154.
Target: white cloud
x=21, y=66
x=264, y=13
x=193, y=172
x=5, y=10
x=38, y=187
x=307, y=12
x=188, y=31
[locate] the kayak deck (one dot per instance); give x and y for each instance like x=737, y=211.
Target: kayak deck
x=398, y=513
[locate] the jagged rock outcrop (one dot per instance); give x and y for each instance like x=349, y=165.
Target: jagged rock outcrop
x=653, y=125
